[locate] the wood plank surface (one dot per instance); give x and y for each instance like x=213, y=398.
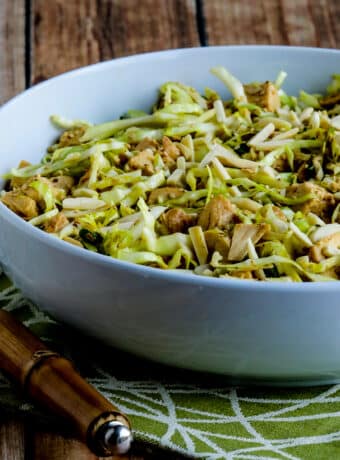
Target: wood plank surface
x=285, y=22
x=71, y=33
x=12, y=46
x=12, y=440
x=52, y=446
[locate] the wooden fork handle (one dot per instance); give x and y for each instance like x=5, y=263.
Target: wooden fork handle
x=52, y=381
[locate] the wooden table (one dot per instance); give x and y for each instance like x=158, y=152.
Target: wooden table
x=42, y=38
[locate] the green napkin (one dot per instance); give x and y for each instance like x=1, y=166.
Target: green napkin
x=185, y=411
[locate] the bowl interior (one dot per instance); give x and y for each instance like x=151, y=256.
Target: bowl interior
x=105, y=91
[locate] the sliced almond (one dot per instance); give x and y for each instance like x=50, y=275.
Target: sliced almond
x=324, y=231
x=243, y=232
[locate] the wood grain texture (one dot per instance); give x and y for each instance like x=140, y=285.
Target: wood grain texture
x=71, y=33
x=12, y=440
x=12, y=46
x=52, y=446
x=286, y=22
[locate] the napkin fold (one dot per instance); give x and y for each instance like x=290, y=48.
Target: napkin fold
x=192, y=413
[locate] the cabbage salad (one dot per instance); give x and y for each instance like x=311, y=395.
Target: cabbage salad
x=243, y=187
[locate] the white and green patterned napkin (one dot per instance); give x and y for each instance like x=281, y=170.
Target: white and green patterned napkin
x=186, y=411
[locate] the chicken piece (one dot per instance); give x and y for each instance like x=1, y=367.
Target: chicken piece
x=146, y=143
x=243, y=232
x=263, y=94
x=17, y=182
x=62, y=182
x=170, y=152
x=143, y=161
x=71, y=136
x=160, y=195
x=219, y=241
x=33, y=193
x=322, y=204
x=61, y=186
x=56, y=223
x=326, y=247
x=244, y=275
x=21, y=204
x=218, y=213
x=329, y=101
x=177, y=220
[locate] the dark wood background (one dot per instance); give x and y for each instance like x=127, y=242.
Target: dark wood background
x=43, y=38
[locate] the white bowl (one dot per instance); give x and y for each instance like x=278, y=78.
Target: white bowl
x=249, y=330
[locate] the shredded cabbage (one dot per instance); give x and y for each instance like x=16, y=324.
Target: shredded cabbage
x=177, y=187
